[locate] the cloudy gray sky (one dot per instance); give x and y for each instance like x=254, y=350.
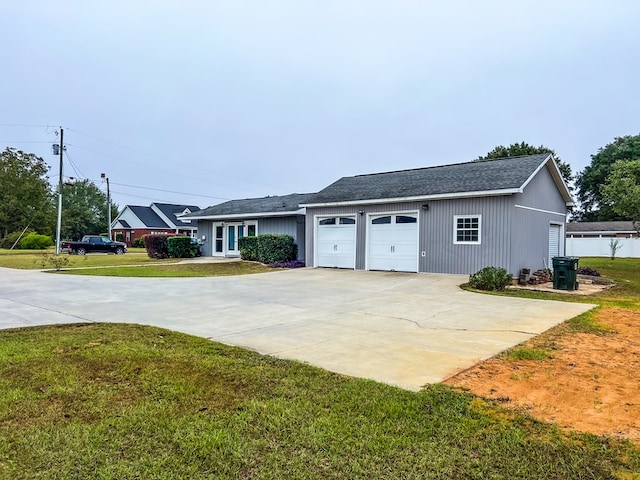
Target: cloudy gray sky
x=218, y=100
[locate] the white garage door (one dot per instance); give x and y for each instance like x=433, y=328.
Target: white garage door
x=555, y=231
x=336, y=242
x=393, y=242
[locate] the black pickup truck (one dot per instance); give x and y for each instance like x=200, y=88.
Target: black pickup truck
x=94, y=244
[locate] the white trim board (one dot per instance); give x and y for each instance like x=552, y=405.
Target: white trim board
x=541, y=210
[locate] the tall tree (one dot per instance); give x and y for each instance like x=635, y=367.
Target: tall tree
x=25, y=193
x=84, y=210
x=621, y=193
x=591, y=180
x=520, y=149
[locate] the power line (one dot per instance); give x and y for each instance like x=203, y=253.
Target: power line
x=23, y=125
x=157, y=158
x=75, y=168
x=153, y=199
x=168, y=191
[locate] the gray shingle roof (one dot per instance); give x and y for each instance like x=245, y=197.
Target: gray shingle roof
x=148, y=217
x=285, y=204
x=595, y=227
x=170, y=210
x=479, y=176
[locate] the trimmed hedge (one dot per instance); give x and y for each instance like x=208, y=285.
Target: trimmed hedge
x=248, y=248
x=490, y=278
x=182, y=247
x=268, y=248
x=156, y=246
x=35, y=241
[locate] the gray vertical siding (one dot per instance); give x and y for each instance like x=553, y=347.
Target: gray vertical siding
x=284, y=226
x=443, y=256
x=530, y=231
x=512, y=238
x=436, y=233
x=293, y=225
x=205, y=227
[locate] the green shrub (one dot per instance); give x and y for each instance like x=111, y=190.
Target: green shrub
x=35, y=241
x=119, y=237
x=138, y=243
x=182, y=247
x=274, y=248
x=9, y=240
x=248, y=248
x=490, y=278
x=156, y=246
x=268, y=248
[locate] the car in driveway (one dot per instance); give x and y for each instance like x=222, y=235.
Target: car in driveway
x=94, y=244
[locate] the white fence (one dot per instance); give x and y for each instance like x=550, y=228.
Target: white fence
x=601, y=247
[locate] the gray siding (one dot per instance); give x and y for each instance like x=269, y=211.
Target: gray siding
x=435, y=226
x=530, y=228
x=293, y=225
x=285, y=226
x=511, y=238
x=444, y=256
x=205, y=227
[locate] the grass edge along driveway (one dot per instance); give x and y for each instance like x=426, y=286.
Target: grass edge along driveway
x=128, y=401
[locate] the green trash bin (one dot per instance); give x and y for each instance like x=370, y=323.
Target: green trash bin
x=565, y=273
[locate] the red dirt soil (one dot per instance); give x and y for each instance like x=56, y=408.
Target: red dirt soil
x=592, y=383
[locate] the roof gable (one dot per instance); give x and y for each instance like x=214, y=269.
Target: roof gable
x=488, y=177
x=148, y=217
x=170, y=212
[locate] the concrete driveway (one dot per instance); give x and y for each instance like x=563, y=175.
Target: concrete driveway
x=403, y=329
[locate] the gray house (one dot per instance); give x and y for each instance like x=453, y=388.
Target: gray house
x=458, y=218
x=220, y=226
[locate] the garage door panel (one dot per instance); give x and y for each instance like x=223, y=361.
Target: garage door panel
x=335, y=243
x=393, y=243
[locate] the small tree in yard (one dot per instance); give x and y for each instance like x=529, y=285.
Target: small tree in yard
x=614, y=246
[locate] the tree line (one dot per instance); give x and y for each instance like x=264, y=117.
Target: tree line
x=607, y=189
x=28, y=202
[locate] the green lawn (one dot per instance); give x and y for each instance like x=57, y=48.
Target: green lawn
x=182, y=270
x=127, y=401
x=29, y=259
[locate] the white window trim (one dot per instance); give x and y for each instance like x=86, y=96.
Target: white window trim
x=455, y=229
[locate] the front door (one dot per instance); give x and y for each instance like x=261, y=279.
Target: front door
x=235, y=231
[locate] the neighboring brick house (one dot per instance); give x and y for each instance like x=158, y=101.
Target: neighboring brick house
x=134, y=221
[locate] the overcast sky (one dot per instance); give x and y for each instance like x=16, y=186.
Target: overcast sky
x=221, y=100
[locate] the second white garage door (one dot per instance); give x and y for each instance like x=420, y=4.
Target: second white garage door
x=393, y=242
x=336, y=242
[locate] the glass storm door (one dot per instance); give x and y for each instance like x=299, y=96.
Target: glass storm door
x=234, y=233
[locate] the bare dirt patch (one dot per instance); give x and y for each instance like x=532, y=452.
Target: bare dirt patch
x=591, y=383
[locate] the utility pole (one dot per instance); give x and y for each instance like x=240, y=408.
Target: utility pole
x=59, y=224
x=104, y=177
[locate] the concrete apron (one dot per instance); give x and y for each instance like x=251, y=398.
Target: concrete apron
x=402, y=329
